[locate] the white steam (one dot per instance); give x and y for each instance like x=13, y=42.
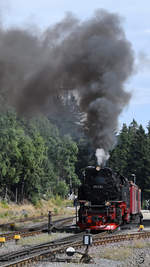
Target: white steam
x=102, y=156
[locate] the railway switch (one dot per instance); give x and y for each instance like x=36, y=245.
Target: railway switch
x=87, y=241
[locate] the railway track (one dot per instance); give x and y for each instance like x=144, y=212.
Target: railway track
x=50, y=249
x=26, y=232
x=28, y=219
x=33, y=251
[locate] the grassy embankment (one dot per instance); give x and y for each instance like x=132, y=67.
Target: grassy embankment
x=11, y=211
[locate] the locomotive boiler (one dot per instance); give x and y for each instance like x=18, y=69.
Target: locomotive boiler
x=107, y=200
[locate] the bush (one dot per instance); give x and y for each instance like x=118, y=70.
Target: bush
x=35, y=200
x=55, y=211
x=57, y=200
x=4, y=214
x=4, y=204
x=61, y=189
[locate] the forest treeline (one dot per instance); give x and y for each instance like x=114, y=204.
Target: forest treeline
x=35, y=160
x=39, y=159
x=131, y=155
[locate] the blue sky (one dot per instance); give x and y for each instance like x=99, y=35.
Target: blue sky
x=136, y=23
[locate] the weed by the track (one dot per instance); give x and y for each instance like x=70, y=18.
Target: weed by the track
x=139, y=244
x=117, y=254
x=34, y=240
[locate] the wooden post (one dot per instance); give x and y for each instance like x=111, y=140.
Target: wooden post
x=49, y=222
x=16, y=195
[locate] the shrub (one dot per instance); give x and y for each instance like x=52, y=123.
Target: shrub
x=57, y=200
x=61, y=189
x=4, y=214
x=34, y=200
x=55, y=211
x=4, y=204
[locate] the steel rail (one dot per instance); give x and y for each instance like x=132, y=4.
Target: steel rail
x=41, y=248
x=26, y=232
x=52, y=249
x=23, y=220
x=27, y=219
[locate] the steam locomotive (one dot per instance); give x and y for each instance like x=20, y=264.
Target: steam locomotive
x=107, y=200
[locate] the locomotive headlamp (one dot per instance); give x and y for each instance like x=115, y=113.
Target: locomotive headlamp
x=98, y=168
x=107, y=203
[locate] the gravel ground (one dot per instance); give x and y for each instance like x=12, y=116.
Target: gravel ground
x=29, y=241
x=137, y=253
x=139, y=257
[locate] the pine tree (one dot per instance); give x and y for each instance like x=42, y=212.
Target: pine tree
x=119, y=156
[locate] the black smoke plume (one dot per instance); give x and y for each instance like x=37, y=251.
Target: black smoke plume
x=91, y=57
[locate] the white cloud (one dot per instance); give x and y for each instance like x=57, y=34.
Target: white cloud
x=147, y=31
x=140, y=96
